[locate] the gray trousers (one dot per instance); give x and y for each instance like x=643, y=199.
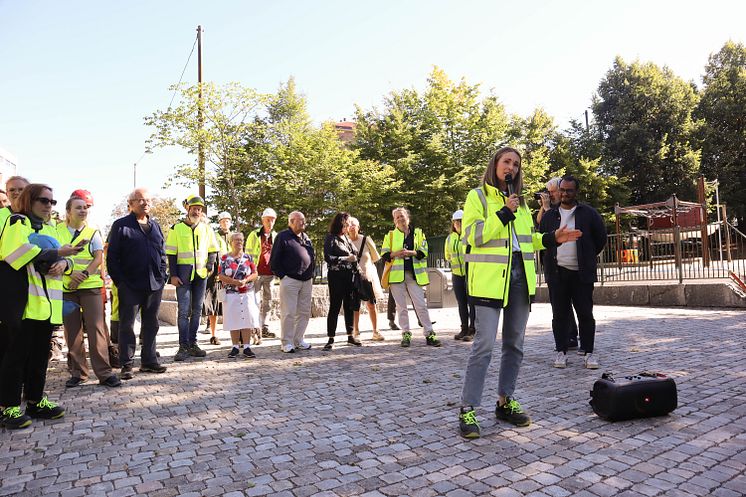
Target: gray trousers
x=514, y=328
x=295, y=309
x=400, y=291
x=263, y=284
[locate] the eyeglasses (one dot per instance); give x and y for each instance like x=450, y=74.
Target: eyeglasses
x=46, y=201
x=140, y=200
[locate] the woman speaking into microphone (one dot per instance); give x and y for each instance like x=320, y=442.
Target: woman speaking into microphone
x=501, y=277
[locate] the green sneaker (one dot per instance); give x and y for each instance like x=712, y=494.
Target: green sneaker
x=182, y=354
x=13, y=419
x=406, y=339
x=432, y=340
x=467, y=422
x=512, y=412
x=44, y=409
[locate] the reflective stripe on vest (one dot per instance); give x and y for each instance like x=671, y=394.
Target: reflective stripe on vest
x=191, y=246
x=82, y=260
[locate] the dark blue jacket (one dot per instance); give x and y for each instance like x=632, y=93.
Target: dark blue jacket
x=134, y=258
x=292, y=256
x=587, y=220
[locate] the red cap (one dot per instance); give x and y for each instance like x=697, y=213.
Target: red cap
x=83, y=194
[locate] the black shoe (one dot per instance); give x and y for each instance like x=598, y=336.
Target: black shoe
x=112, y=381
x=328, y=346
x=467, y=422
x=432, y=340
x=126, y=373
x=44, y=409
x=461, y=334
x=512, y=412
x=468, y=338
x=392, y=325
x=74, y=382
x=195, y=351
x=267, y=334
x=153, y=368
x=233, y=353
x=214, y=341
x=353, y=341
x=248, y=353
x=13, y=418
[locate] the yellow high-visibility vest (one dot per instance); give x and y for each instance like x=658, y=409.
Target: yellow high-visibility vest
x=454, y=252
x=490, y=243
x=393, y=242
x=83, y=259
x=44, y=291
x=254, y=243
x=191, y=246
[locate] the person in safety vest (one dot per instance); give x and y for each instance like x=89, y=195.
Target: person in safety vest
x=192, y=251
x=454, y=252
x=501, y=276
x=83, y=287
x=212, y=305
x=259, y=246
x=29, y=326
x=405, y=247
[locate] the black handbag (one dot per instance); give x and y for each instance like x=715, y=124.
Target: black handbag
x=637, y=396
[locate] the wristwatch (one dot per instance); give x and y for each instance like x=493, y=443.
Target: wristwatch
x=85, y=272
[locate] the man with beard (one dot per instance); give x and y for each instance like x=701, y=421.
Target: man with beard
x=192, y=250
x=571, y=271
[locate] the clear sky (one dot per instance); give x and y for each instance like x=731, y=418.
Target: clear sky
x=79, y=76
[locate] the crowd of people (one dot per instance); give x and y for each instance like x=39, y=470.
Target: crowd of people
x=54, y=274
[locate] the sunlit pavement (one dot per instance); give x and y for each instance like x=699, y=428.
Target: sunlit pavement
x=382, y=420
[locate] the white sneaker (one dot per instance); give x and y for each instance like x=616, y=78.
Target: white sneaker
x=591, y=362
x=304, y=345
x=561, y=360
x=287, y=348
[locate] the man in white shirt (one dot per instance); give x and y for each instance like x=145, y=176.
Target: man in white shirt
x=571, y=271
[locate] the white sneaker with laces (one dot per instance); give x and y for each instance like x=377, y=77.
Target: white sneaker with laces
x=591, y=362
x=561, y=360
x=287, y=348
x=304, y=345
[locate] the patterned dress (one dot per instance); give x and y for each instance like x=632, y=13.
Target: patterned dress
x=239, y=308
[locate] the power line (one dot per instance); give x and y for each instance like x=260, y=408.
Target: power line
x=173, y=96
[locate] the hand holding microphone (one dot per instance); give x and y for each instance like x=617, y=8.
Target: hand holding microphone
x=513, y=201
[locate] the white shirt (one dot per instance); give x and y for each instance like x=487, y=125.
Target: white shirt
x=567, y=253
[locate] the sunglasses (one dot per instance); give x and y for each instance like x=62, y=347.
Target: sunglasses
x=46, y=201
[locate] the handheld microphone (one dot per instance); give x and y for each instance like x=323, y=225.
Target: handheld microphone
x=509, y=182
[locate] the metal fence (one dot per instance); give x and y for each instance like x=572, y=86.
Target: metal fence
x=657, y=255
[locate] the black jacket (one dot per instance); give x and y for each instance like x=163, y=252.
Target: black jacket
x=292, y=256
x=135, y=258
x=590, y=223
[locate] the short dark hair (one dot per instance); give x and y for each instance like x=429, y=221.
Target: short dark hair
x=570, y=177
x=338, y=222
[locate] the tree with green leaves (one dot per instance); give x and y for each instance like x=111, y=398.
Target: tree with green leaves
x=436, y=142
x=229, y=112
x=644, y=117
x=722, y=135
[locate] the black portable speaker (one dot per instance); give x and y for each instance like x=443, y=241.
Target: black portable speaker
x=638, y=396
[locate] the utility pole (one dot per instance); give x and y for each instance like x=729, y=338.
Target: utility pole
x=587, y=127
x=134, y=175
x=200, y=117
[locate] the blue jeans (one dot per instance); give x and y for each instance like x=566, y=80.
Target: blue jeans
x=514, y=328
x=190, y=297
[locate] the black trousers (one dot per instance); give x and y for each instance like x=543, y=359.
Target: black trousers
x=568, y=292
x=341, y=295
x=465, y=310
x=572, y=331
x=132, y=302
x=24, y=364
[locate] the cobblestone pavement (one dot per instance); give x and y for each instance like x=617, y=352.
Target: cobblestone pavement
x=382, y=420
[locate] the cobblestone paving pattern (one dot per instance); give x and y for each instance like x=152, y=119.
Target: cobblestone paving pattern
x=380, y=420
